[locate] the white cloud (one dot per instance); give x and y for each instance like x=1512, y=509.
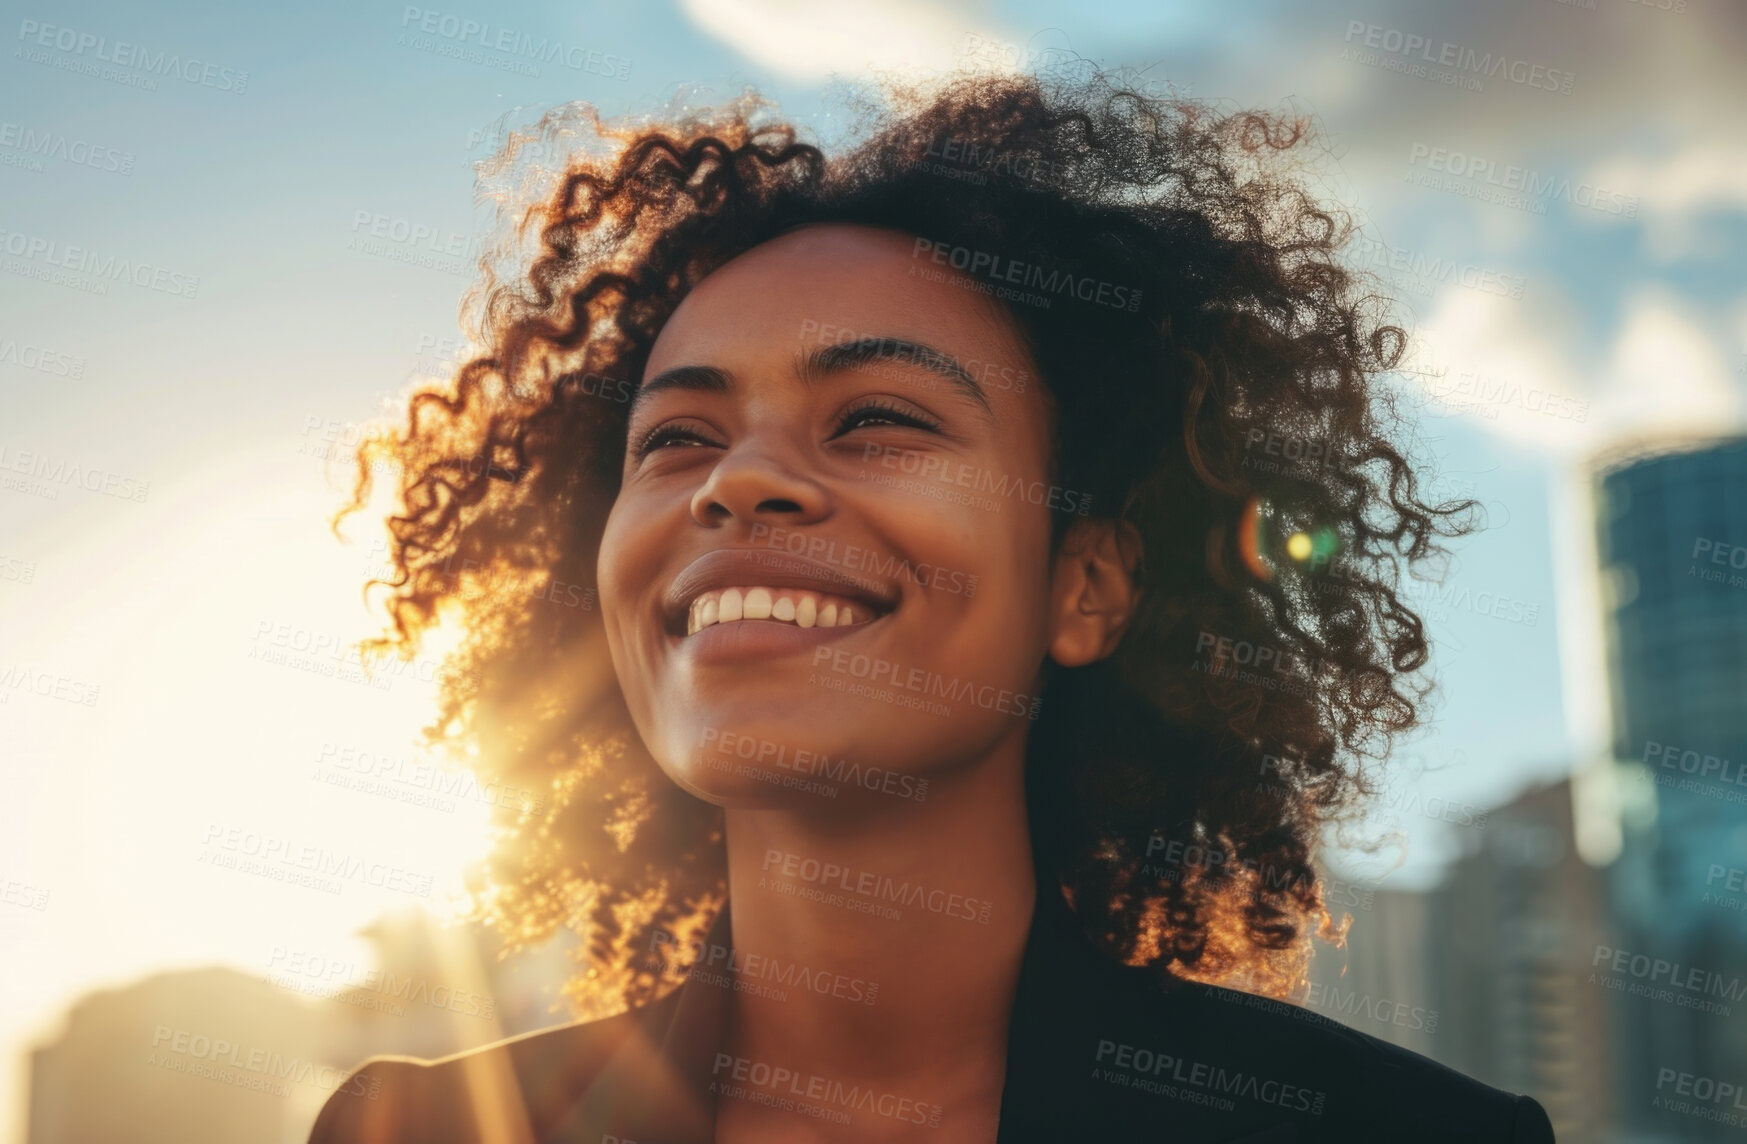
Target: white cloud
x=1667, y=374
x=1523, y=373
x=1503, y=369
x=810, y=41
x=1703, y=176
x=1675, y=190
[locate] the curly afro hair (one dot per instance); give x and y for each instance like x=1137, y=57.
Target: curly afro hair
x=1177, y=789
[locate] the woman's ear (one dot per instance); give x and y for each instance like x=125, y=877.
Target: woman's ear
x=1093, y=590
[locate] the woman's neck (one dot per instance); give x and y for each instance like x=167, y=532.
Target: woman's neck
x=902, y=923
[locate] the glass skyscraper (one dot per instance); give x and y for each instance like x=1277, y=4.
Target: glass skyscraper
x=1672, y=538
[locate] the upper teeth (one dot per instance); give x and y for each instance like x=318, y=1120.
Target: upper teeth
x=786, y=605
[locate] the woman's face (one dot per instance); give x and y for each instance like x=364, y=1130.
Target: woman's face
x=831, y=426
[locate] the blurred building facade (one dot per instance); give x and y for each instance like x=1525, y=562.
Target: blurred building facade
x=221, y=1056
x=1478, y=972
x=1616, y=995
x=1381, y=983
x=197, y=1055
x=1671, y=537
x=1516, y=914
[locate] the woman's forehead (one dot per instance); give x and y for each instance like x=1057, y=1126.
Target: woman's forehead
x=838, y=282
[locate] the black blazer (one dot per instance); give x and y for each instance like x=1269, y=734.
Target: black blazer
x=1097, y=1051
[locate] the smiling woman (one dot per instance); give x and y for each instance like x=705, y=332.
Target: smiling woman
x=939, y=633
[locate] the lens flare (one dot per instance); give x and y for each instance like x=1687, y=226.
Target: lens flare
x=1249, y=540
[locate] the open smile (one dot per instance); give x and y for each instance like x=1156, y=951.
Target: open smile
x=795, y=606
x=734, y=602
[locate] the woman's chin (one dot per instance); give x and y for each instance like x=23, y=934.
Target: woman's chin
x=773, y=766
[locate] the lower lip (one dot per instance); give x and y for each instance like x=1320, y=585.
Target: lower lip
x=740, y=640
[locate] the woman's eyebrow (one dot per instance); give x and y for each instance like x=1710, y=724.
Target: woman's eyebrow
x=825, y=360
x=706, y=378
x=862, y=351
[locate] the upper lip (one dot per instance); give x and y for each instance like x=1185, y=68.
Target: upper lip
x=768, y=568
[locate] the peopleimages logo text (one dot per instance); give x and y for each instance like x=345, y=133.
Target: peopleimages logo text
x=544, y=50
x=1138, y=1061
x=54, y=145
x=998, y=268
x=60, y=471
x=1532, y=183
x=1459, y=57
x=121, y=54
x=51, y=252
x=877, y=668
x=866, y=883
x=1691, y=979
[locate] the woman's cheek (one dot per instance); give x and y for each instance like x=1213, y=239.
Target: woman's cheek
x=630, y=553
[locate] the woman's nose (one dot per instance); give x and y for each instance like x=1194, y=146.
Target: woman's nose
x=754, y=481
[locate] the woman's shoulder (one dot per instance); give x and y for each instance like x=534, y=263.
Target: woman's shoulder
x=532, y=1079
x=1334, y=1081
x=1346, y=1083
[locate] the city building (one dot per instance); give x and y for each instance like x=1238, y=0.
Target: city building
x=1671, y=543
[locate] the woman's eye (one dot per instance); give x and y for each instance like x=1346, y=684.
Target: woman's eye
x=663, y=435
x=873, y=413
x=876, y=413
